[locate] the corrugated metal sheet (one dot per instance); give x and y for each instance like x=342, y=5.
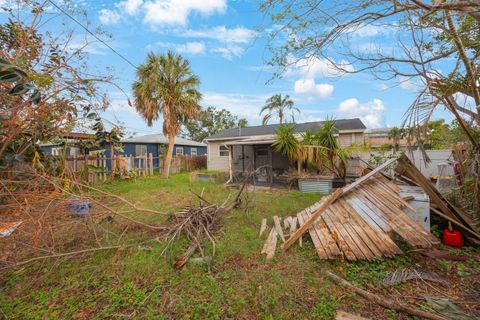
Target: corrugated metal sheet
x=315, y=186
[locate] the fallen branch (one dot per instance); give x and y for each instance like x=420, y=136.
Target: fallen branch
x=384, y=302
x=65, y=254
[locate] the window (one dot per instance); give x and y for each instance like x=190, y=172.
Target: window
x=179, y=151
x=193, y=151
x=223, y=151
x=140, y=150
x=262, y=151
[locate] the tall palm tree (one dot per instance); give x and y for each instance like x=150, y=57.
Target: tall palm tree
x=165, y=84
x=395, y=134
x=280, y=106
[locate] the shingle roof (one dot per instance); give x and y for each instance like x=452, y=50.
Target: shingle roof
x=160, y=138
x=341, y=125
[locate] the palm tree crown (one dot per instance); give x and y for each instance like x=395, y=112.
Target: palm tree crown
x=165, y=84
x=280, y=106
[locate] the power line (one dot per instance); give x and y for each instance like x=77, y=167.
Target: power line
x=91, y=33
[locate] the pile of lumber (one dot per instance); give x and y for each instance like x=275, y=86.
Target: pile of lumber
x=356, y=222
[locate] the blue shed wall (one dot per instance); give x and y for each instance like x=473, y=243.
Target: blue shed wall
x=154, y=148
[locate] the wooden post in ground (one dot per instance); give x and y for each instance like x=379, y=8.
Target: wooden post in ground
x=150, y=163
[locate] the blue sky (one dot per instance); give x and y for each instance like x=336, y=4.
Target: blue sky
x=226, y=51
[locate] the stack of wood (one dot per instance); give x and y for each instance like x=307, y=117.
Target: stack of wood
x=357, y=222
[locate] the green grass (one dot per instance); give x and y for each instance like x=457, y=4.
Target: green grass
x=144, y=285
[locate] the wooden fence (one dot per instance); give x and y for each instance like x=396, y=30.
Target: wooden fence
x=98, y=168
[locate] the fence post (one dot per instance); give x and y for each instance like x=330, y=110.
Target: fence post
x=150, y=163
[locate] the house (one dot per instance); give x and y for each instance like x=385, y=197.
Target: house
x=379, y=138
x=74, y=144
x=157, y=144
x=246, y=149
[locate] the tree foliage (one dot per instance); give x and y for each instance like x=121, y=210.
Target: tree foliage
x=279, y=106
x=45, y=87
x=166, y=86
x=320, y=149
x=209, y=122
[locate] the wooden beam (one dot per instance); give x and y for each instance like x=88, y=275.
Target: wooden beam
x=326, y=201
x=368, y=175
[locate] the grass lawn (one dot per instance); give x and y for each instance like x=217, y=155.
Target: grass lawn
x=142, y=284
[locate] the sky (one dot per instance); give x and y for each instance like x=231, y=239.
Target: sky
x=222, y=41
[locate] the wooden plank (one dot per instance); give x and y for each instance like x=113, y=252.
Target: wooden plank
x=349, y=236
x=321, y=251
x=263, y=227
x=264, y=250
x=355, y=233
x=271, y=244
x=342, y=315
x=324, y=205
x=378, y=242
x=339, y=237
x=368, y=175
x=278, y=227
x=330, y=243
x=378, y=237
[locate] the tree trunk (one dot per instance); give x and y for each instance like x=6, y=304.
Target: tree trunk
x=168, y=158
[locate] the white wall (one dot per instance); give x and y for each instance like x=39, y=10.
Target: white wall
x=427, y=169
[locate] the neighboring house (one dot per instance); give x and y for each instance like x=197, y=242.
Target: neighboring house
x=157, y=144
x=71, y=143
x=378, y=138
x=247, y=149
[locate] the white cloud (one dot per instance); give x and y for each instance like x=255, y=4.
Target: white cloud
x=161, y=12
x=228, y=52
x=313, y=67
x=309, y=87
x=223, y=34
x=176, y=12
x=244, y=106
x=130, y=7
x=189, y=47
x=370, y=30
x=107, y=16
x=371, y=113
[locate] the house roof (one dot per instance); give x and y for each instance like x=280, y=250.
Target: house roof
x=342, y=125
x=378, y=130
x=160, y=138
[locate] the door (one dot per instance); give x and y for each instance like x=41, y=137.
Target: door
x=263, y=165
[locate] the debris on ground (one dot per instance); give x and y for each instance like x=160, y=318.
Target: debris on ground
x=445, y=255
x=7, y=228
x=198, y=224
x=403, y=275
x=342, y=315
x=357, y=221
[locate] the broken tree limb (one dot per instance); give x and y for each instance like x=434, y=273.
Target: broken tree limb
x=384, y=302
x=323, y=206
x=182, y=260
x=65, y=254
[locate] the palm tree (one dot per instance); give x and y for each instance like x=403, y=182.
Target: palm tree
x=278, y=105
x=165, y=84
x=395, y=134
